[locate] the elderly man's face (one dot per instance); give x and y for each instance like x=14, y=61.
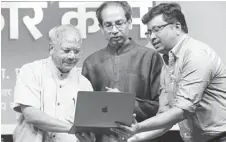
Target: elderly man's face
x=162, y=34
x=115, y=26
x=67, y=54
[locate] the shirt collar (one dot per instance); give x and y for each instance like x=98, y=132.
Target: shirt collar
x=175, y=50
x=58, y=74
x=131, y=44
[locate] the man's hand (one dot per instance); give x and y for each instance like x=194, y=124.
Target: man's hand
x=83, y=137
x=125, y=132
x=86, y=137
x=112, y=89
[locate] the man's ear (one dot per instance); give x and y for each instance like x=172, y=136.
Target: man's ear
x=178, y=27
x=101, y=28
x=51, y=47
x=130, y=24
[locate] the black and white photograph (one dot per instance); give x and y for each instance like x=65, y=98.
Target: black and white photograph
x=113, y=71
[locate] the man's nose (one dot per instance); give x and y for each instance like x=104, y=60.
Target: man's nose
x=153, y=36
x=114, y=29
x=71, y=55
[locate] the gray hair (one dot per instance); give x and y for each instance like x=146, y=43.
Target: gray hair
x=58, y=34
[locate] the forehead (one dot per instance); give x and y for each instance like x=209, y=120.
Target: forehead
x=71, y=40
x=156, y=21
x=113, y=12
x=68, y=45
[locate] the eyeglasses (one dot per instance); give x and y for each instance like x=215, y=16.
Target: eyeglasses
x=118, y=24
x=156, y=29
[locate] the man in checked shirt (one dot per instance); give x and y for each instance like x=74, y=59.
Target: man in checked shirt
x=193, y=82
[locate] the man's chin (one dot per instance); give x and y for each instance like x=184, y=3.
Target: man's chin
x=117, y=42
x=67, y=68
x=159, y=49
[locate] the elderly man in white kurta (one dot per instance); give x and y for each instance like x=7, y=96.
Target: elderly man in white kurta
x=46, y=91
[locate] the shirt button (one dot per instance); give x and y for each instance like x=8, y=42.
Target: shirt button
x=58, y=104
x=60, y=86
x=54, y=136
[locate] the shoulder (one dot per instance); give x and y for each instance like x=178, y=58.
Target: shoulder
x=83, y=79
x=197, y=49
x=84, y=83
x=199, y=55
x=196, y=43
x=95, y=56
x=33, y=67
x=148, y=54
x=145, y=50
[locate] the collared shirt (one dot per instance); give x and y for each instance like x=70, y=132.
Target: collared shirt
x=41, y=85
x=198, y=87
x=132, y=68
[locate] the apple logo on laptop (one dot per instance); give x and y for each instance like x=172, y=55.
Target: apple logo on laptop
x=105, y=109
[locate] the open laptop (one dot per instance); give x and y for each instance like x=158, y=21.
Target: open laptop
x=98, y=111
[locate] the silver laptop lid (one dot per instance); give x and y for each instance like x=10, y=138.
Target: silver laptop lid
x=103, y=109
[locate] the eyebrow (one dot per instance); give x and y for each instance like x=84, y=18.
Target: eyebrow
x=69, y=47
x=114, y=21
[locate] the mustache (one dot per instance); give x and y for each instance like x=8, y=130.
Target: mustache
x=116, y=37
x=70, y=61
x=155, y=41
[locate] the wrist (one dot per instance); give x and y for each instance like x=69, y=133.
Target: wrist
x=134, y=138
x=69, y=127
x=138, y=129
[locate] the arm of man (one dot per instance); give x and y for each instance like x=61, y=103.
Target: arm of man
x=143, y=136
x=163, y=106
x=43, y=121
x=146, y=108
x=154, y=76
x=85, y=69
x=162, y=120
x=193, y=82
x=27, y=99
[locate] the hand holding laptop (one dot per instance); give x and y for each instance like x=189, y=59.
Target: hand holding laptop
x=112, y=89
x=83, y=137
x=86, y=137
x=126, y=132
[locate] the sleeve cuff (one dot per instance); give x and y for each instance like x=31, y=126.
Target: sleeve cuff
x=184, y=104
x=17, y=105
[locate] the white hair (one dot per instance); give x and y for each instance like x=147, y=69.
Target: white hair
x=58, y=35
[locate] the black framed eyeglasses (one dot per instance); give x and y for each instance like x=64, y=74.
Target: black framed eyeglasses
x=118, y=24
x=156, y=29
